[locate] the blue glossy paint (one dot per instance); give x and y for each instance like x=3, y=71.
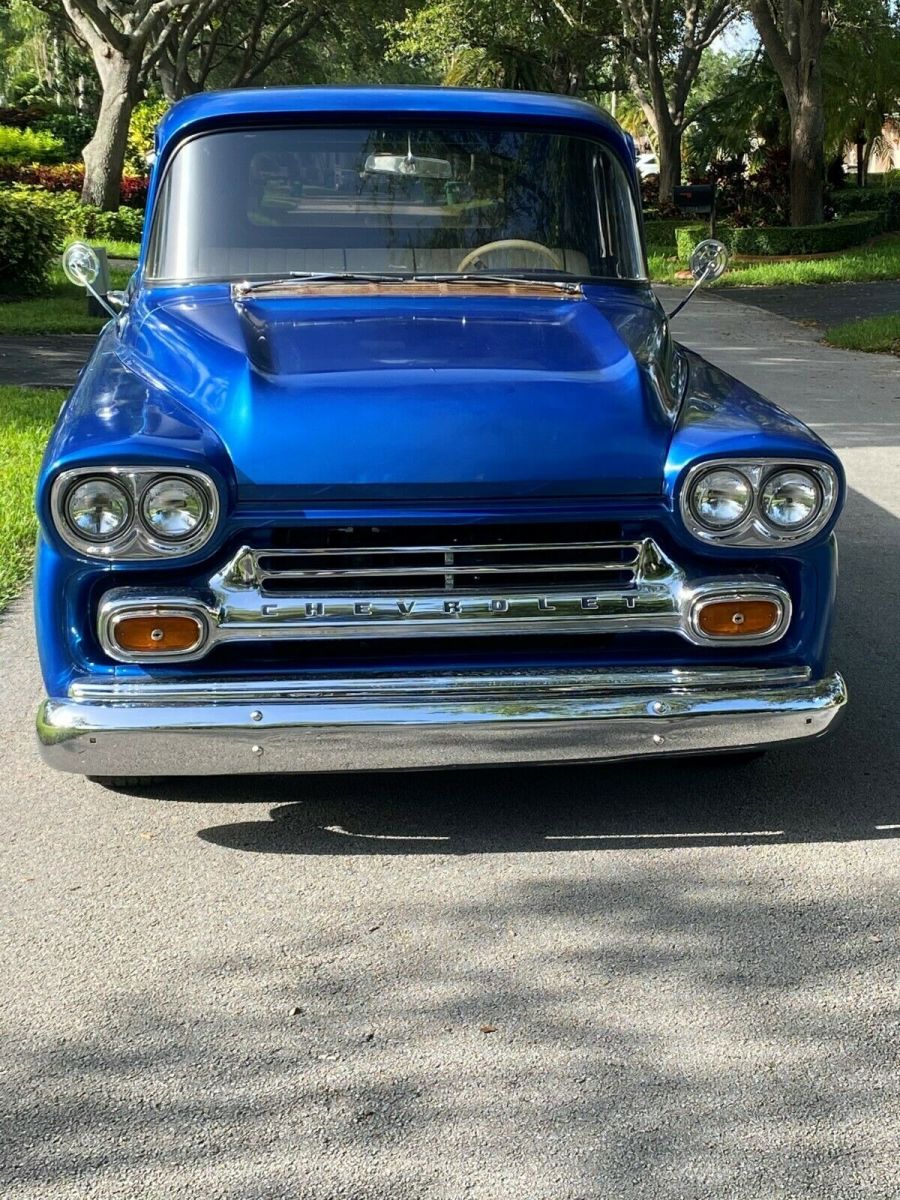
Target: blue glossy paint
x=384, y=409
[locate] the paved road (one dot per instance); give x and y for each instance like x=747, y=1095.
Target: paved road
x=43, y=361
x=825, y=304
x=276, y=989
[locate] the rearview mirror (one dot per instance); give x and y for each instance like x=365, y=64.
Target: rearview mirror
x=409, y=165
x=708, y=260
x=81, y=265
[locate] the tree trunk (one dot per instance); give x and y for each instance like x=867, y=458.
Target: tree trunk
x=104, y=155
x=669, y=137
x=860, y=162
x=808, y=150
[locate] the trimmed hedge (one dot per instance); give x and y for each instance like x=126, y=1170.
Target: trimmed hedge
x=687, y=237
x=660, y=234
x=785, y=239
x=851, y=202
x=805, y=239
x=31, y=237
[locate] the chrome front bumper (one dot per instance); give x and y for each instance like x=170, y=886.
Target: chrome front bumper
x=403, y=721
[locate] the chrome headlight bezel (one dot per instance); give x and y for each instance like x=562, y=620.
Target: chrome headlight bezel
x=136, y=541
x=104, y=480
x=742, y=482
x=146, y=508
x=755, y=529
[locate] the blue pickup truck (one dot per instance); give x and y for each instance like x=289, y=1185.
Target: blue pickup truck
x=387, y=458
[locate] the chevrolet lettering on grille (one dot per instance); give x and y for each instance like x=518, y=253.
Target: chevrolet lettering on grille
x=435, y=607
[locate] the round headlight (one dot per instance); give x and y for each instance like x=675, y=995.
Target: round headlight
x=721, y=498
x=173, y=508
x=98, y=510
x=790, y=499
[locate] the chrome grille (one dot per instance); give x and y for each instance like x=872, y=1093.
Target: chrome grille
x=365, y=566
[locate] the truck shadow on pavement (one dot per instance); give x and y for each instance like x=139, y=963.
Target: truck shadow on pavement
x=841, y=788
x=653, y=1028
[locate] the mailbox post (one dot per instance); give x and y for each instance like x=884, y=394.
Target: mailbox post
x=94, y=308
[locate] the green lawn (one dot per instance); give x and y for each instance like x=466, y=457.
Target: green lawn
x=26, y=417
x=62, y=310
x=877, y=260
x=118, y=249
x=873, y=333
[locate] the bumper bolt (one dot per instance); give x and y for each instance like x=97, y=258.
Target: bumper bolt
x=659, y=707
x=256, y=715
x=256, y=750
x=658, y=739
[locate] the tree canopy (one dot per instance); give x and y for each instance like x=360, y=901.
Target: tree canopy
x=824, y=75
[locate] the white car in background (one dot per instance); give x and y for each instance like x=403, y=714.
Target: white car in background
x=647, y=165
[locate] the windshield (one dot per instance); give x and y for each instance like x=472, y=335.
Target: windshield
x=399, y=200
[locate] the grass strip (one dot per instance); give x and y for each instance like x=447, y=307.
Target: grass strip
x=875, y=334
x=63, y=309
x=26, y=418
x=879, y=259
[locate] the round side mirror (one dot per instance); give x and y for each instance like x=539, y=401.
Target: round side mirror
x=708, y=260
x=81, y=264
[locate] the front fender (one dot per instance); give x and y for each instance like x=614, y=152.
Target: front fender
x=113, y=417
x=720, y=417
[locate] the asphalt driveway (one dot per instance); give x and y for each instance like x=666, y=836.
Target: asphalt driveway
x=823, y=304
x=671, y=981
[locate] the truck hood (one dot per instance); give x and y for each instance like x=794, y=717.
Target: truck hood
x=336, y=397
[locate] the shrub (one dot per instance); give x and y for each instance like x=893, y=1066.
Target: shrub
x=660, y=235
x=79, y=220
x=144, y=119
x=31, y=236
x=650, y=191
x=72, y=129
x=69, y=177
x=758, y=197
x=62, y=177
x=853, y=201
x=804, y=239
x=687, y=237
x=21, y=118
x=133, y=192
x=126, y=225
x=67, y=209
x=21, y=146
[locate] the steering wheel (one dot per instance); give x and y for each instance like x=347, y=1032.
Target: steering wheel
x=507, y=244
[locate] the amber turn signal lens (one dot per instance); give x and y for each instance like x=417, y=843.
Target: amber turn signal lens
x=158, y=635
x=738, y=618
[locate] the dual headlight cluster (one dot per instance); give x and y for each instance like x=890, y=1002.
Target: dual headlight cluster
x=134, y=513
x=750, y=503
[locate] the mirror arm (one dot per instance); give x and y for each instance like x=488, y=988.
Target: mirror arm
x=699, y=283
x=101, y=300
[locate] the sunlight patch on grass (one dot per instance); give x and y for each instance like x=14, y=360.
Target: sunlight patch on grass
x=877, y=334
x=62, y=310
x=26, y=418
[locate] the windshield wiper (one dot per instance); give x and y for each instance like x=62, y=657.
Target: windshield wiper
x=294, y=277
